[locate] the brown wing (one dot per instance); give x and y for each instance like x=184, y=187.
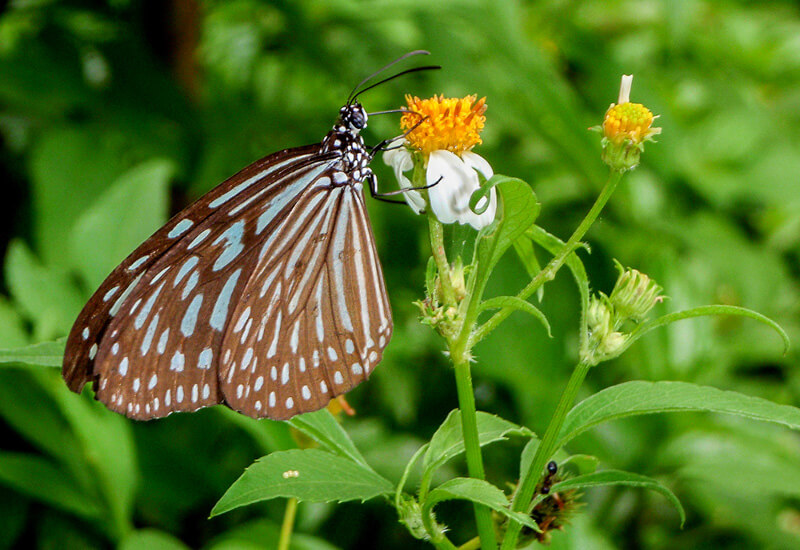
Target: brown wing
x=149, y=336
x=314, y=318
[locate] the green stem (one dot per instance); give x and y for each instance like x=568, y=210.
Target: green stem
x=439, y=255
x=524, y=496
x=550, y=270
x=469, y=428
x=288, y=524
x=472, y=544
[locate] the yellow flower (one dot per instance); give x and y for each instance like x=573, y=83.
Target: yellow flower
x=625, y=129
x=450, y=124
x=441, y=134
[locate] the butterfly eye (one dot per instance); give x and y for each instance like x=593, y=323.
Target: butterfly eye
x=358, y=119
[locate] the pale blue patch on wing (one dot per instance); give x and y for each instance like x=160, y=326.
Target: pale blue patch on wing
x=204, y=361
x=187, y=266
x=148, y=337
x=148, y=306
x=220, y=313
x=190, y=318
x=180, y=228
x=191, y=282
x=233, y=245
x=287, y=195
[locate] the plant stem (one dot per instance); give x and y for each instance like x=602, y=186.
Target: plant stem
x=288, y=524
x=547, y=446
x=472, y=544
x=469, y=428
x=439, y=255
x=550, y=270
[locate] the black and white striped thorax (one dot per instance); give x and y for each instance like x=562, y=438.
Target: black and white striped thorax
x=345, y=140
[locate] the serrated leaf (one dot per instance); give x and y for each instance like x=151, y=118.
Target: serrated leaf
x=42, y=480
x=323, y=428
x=635, y=398
x=479, y=492
x=618, y=477
x=321, y=477
x=46, y=354
x=128, y=212
x=448, y=441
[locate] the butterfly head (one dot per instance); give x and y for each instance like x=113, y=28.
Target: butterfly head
x=353, y=117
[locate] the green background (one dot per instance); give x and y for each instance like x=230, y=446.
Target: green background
x=113, y=115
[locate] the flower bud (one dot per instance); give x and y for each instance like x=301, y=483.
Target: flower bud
x=635, y=294
x=599, y=317
x=625, y=129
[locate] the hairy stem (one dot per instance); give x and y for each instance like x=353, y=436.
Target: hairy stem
x=547, y=446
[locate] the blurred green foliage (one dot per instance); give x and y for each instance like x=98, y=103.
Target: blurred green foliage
x=114, y=114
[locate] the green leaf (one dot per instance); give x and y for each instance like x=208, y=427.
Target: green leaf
x=151, y=539
x=477, y=491
x=106, y=440
x=321, y=477
x=46, y=354
x=40, y=479
x=519, y=304
x=635, y=398
x=448, y=441
x=704, y=311
x=128, y=212
x=12, y=328
x=519, y=209
x=270, y=435
x=323, y=428
x=44, y=295
x=527, y=255
x=617, y=477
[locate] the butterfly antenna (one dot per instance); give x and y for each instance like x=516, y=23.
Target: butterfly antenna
x=353, y=94
x=387, y=79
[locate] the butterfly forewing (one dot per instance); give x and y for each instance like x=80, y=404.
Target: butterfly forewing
x=151, y=334
x=313, y=320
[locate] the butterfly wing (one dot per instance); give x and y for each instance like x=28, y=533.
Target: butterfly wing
x=314, y=318
x=149, y=336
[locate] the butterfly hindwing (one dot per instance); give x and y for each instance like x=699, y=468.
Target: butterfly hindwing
x=314, y=319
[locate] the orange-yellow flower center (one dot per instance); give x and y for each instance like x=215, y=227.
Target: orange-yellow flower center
x=446, y=123
x=628, y=120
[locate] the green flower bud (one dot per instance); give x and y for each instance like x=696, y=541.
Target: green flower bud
x=635, y=294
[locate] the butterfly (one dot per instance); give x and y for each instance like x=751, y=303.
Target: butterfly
x=265, y=295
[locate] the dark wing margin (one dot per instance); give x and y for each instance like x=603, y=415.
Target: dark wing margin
x=198, y=249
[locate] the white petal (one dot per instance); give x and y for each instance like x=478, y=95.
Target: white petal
x=625, y=88
x=450, y=197
x=477, y=162
x=413, y=198
x=479, y=221
x=474, y=160
x=399, y=158
x=401, y=161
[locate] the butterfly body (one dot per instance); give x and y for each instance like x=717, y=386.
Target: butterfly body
x=265, y=295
